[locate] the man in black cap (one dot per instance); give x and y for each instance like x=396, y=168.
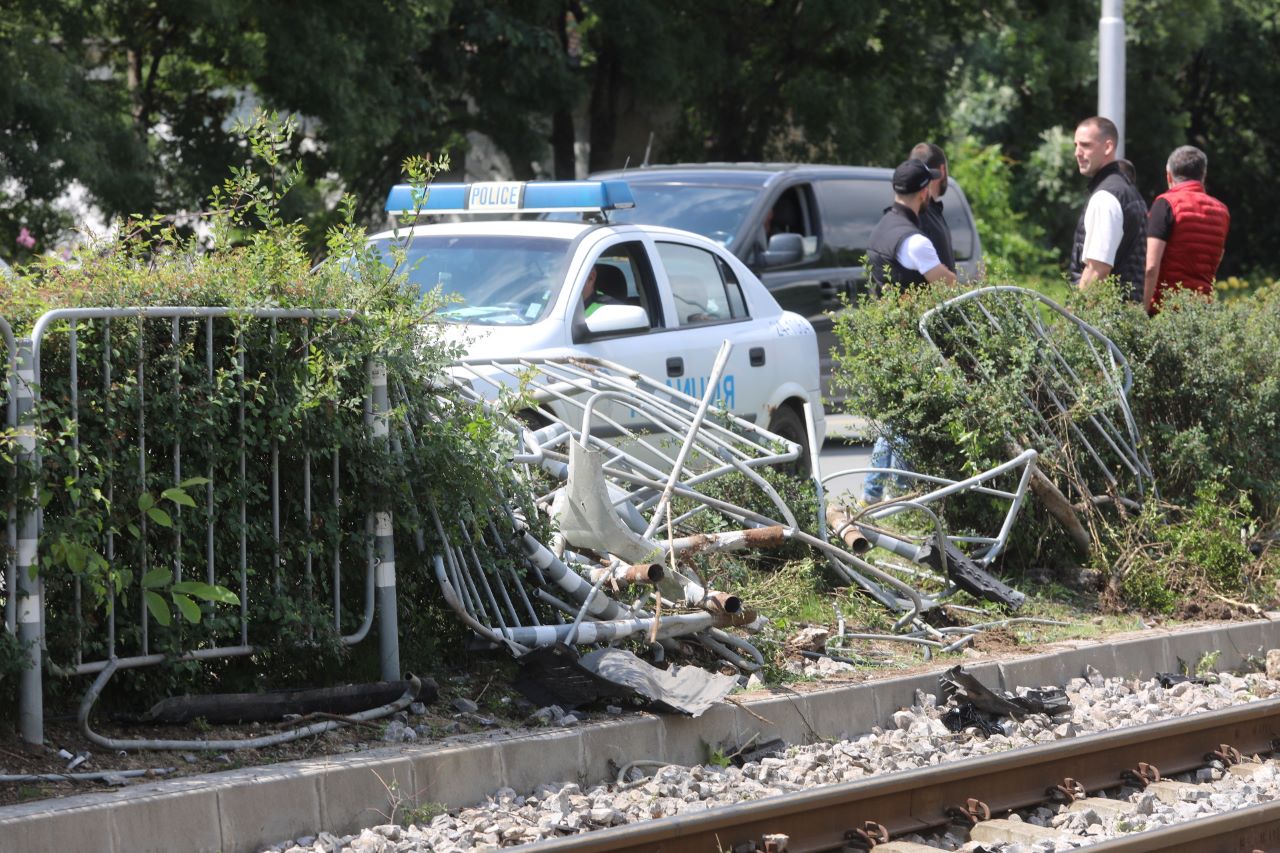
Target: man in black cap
x=898, y=250
x=932, y=222
x=900, y=253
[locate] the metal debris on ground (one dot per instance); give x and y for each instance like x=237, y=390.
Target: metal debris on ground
x=1075, y=393
x=624, y=470
x=979, y=705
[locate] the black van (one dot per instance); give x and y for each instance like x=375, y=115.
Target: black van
x=754, y=208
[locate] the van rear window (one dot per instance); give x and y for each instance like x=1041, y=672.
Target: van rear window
x=850, y=210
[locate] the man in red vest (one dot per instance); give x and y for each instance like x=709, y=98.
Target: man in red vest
x=1186, y=231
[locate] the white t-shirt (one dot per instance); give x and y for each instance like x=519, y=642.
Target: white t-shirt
x=1103, y=228
x=917, y=253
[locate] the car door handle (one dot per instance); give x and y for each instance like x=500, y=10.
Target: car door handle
x=756, y=354
x=675, y=366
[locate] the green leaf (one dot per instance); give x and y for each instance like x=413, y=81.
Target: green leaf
x=193, y=481
x=178, y=496
x=155, y=578
x=134, y=531
x=160, y=517
x=189, y=609
x=206, y=591
x=145, y=501
x=159, y=607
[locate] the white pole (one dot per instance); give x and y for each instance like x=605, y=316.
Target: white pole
x=1111, y=66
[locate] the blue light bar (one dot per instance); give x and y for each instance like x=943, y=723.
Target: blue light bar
x=513, y=197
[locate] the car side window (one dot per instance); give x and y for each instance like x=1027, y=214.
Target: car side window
x=850, y=210
x=623, y=277
x=699, y=287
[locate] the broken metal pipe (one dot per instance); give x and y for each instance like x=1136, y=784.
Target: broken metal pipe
x=842, y=523
x=773, y=536
x=640, y=573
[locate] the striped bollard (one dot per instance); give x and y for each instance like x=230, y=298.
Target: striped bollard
x=384, y=533
x=30, y=608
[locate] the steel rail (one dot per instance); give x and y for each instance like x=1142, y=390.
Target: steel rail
x=918, y=800
x=1252, y=828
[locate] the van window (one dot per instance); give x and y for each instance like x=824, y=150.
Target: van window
x=698, y=286
x=850, y=211
x=953, y=213
x=790, y=213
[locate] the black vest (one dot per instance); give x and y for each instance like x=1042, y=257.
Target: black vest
x=936, y=229
x=897, y=224
x=1131, y=257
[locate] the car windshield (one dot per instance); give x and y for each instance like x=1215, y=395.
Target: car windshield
x=496, y=280
x=715, y=212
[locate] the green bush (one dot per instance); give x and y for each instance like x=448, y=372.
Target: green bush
x=303, y=384
x=1206, y=398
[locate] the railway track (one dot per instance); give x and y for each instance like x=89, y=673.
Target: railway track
x=854, y=815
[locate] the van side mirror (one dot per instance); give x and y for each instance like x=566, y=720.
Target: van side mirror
x=783, y=249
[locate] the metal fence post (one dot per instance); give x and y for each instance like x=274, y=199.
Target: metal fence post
x=30, y=607
x=383, y=530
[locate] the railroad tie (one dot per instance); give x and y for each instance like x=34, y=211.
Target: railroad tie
x=1245, y=770
x=1169, y=791
x=1103, y=806
x=905, y=847
x=1001, y=831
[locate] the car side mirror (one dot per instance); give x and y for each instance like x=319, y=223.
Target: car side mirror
x=617, y=319
x=783, y=249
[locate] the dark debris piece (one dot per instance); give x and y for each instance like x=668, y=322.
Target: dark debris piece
x=967, y=714
x=959, y=686
x=1168, y=679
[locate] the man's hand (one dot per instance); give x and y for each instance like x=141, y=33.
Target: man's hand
x=940, y=272
x=1155, y=254
x=1094, y=271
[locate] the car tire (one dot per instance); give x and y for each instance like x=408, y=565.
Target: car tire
x=788, y=424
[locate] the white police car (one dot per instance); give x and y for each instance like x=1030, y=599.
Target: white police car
x=654, y=299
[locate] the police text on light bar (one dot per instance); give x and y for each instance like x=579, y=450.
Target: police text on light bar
x=511, y=197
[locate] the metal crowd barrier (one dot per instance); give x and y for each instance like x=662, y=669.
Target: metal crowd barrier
x=188, y=349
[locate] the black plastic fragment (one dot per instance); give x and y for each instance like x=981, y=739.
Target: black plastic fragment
x=957, y=685
x=552, y=675
x=969, y=577
x=1168, y=679
x=966, y=714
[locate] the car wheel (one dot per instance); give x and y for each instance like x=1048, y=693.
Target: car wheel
x=788, y=424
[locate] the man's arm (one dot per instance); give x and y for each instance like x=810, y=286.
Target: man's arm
x=918, y=253
x=1155, y=253
x=1103, y=228
x=940, y=272
x=1094, y=271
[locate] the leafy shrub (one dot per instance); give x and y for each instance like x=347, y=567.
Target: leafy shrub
x=1206, y=398
x=1174, y=554
x=1009, y=240
x=120, y=534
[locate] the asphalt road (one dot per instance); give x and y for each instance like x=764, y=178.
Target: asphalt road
x=839, y=454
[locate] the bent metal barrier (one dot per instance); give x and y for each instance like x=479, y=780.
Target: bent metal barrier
x=182, y=351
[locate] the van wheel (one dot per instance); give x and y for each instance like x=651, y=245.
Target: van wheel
x=786, y=423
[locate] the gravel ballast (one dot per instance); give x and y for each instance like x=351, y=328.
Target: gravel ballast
x=920, y=739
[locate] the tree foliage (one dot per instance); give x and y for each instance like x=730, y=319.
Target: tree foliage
x=133, y=100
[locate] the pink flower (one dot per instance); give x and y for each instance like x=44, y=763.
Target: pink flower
x=25, y=240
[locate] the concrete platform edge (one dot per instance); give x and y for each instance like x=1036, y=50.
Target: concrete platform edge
x=248, y=809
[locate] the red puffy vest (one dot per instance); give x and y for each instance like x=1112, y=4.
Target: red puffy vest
x=1200, y=225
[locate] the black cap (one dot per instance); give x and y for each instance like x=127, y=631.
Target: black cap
x=912, y=176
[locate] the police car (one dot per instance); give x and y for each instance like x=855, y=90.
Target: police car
x=654, y=299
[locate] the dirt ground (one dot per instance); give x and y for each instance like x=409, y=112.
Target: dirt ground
x=497, y=708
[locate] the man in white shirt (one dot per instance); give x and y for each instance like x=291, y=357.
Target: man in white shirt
x=898, y=251
x=1111, y=234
